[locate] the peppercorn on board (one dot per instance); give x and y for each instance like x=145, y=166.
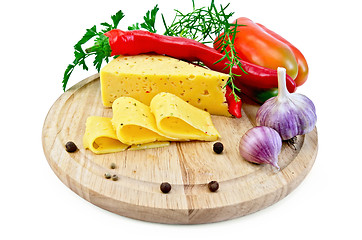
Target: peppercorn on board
x=134, y=188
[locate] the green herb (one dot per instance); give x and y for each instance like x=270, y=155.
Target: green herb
x=149, y=21
x=135, y=26
x=99, y=50
x=203, y=24
x=227, y=40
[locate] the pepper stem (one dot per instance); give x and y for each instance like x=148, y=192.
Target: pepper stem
x=92, y=49
x=282, y=84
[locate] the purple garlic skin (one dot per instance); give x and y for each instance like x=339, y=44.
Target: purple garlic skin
x=291, y=116
x=261, y=145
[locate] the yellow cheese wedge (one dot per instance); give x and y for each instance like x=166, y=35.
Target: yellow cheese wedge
x=143, y=76
x=100, y=136
x=134, y=123
x=178, y=119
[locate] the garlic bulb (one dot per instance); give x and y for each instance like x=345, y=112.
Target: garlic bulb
x=261, y=145
x=290, y=114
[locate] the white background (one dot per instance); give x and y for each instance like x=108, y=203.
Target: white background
x=36, y=44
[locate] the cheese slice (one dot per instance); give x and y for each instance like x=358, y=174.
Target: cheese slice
x=143, y=76
x=148, y=145
x=100, y=136
x=134, y=123
x=178, y=119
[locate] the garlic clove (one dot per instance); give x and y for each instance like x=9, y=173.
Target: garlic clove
x=290, y=114
x=261, y=145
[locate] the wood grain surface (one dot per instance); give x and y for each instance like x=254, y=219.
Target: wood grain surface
x=188, y=166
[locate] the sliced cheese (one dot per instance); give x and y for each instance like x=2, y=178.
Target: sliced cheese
x=134, y=123
x=149, y=145
x=143, y=76
x=178, y=119
x=100, y=136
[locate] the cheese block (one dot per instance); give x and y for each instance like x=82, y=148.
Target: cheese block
x=179, y=119
x=143, y=76
x=100, y=137
x=134, y=123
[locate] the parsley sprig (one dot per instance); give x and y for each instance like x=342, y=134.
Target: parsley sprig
x=101, y=50
x=205, y=24
x=149, y=21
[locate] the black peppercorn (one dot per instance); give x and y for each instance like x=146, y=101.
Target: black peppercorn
x=218, y=147
x=107, y=175
x=113, y=166
x=213, y=186
x=70, y=147
x=114, y=177
x=165, y=187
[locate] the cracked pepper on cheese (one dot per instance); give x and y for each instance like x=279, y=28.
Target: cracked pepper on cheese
x=143, y=76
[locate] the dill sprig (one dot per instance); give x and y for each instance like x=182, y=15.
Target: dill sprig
x=201, y=24
x=207, y=25
x=227, y=47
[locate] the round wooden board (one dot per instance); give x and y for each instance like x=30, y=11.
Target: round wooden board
x=188, y=166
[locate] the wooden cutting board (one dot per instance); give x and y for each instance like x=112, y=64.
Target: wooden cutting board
x=244, y=187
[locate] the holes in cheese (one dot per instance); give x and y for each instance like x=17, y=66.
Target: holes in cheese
x=134, y=123
x=100, y=136
x=152, y=74
x=178, y=119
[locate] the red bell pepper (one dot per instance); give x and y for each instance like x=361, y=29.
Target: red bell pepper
x=256, y=44
x=302, y=62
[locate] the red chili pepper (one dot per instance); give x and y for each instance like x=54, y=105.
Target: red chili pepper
x=139, y=41
x=234, y=105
